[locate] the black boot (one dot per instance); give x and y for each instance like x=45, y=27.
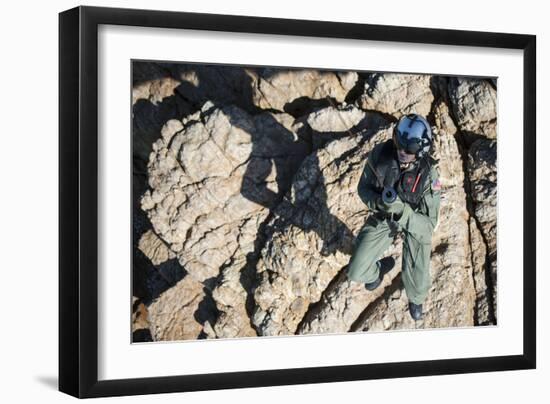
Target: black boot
x=415, y=310
x=385, y=265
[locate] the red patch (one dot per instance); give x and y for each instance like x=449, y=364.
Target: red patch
x=436, y=184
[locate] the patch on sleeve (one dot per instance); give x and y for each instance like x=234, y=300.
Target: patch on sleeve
x=436, y=185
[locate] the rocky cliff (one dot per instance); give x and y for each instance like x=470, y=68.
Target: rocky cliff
x=246, y=206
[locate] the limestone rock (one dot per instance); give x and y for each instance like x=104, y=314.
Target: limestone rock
x=330, y=123
x=154, y=90
x=397, y=94
x=154, y=248
x=445, y=148
x=172, y=315
x=232, y=299
x=483, y=180
x=153, y=106
x=474, y=106
x=343, y=301
x=275, y=89
x=482, y=173
x=213, y=183
x=173, y=91
x=484, y=311
x=331, y=119
x=196, y=83
x=451, y=173
x=213, y=178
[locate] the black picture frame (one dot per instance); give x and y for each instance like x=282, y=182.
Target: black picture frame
x=78, y=201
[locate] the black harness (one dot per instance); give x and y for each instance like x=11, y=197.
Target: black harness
x=409, y=184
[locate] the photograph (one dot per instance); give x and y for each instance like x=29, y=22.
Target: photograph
x=287, y=200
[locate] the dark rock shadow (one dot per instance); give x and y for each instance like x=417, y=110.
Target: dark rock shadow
x=148, y=280
x=142, y=335
x=206, y=310
x=304, y=105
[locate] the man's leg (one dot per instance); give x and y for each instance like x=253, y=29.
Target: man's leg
x=373, y=239
x=415, y=271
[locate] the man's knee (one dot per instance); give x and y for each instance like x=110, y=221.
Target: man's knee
x=362, y=270
x=370, y=244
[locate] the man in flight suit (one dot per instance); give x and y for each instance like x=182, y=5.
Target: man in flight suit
x=400, y=186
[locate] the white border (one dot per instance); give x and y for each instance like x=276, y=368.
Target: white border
x=119, y=359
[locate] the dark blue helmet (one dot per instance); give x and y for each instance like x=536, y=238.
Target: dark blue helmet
x=413, y=135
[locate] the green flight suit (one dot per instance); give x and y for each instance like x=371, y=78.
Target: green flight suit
x=376, y=236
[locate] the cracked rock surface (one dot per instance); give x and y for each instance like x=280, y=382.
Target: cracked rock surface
x=277, y=89
x=212, y=183
x=397, y=94
x=483, y=178
x=246, y=206
x=474, y=106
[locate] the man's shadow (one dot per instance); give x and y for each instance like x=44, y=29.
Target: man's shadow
x=274, y=150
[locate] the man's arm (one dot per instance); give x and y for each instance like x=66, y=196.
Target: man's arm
x=368, y=188
x=421, y=225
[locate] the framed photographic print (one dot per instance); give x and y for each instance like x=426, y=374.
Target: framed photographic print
x=250, y=201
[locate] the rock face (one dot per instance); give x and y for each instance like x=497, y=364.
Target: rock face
x=276, y=89
x=154, y=248
x=397, y=94
x=474, y=106
x=483, y=181
x=154, y=91
x=331, y=119
x=172, y=315
x=343, y=301
x=213, y=182
x=194, y=84
x=330, y=123
x=484, y=301
x=246, y=204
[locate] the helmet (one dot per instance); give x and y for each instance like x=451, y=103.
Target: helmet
x=413, y=135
